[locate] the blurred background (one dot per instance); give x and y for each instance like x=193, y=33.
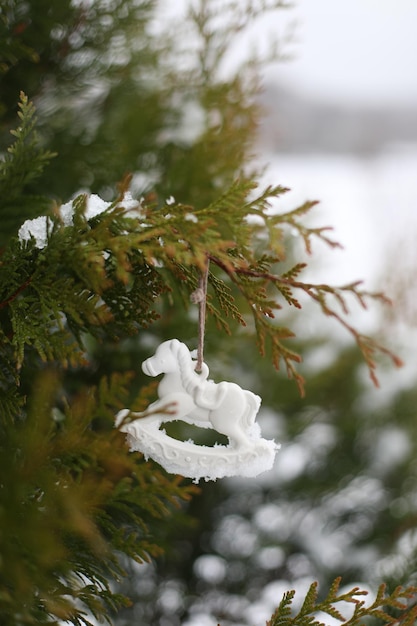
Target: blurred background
x=142, y=87
x=346, y=103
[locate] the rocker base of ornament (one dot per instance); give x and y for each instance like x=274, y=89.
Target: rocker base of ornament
x=197, y=461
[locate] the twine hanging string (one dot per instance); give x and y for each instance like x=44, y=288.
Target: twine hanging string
x=199, y=296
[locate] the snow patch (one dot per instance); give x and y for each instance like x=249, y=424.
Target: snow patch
x=40, y=227
x=37, y=229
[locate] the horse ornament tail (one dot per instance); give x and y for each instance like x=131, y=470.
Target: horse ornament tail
x=187, y=395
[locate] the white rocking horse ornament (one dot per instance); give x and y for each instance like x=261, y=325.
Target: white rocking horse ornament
x=187, y=395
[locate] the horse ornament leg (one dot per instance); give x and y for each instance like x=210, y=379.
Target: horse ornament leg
x=189, y=396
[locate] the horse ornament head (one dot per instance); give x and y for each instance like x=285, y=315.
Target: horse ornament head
x=187, y=395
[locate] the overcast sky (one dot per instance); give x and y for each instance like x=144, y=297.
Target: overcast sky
x=361, y=51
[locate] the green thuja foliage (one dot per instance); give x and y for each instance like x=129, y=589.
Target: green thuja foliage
x=23, y=163
x=73, y=500
x=387, y=608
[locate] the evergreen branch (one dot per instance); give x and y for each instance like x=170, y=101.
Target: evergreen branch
x=292, y=219
x=318, y=293
x=100, y=289
x=226, y=301
x=21, y=165
x=309, y=613
x=82, y=500
x=215, y=38
x=101, y=257
x=14, y=295
x=262, y=310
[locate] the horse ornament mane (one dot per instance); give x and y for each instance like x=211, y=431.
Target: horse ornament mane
x=184, y=394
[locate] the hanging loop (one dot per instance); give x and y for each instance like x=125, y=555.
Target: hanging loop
x=199, y=296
